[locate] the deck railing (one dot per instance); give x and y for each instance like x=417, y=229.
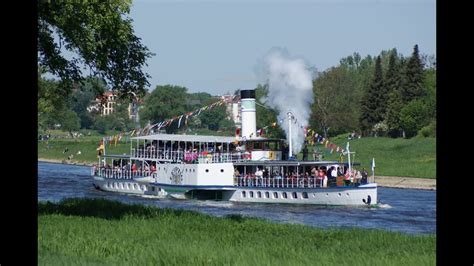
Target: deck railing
x=189, y=157
x=301, y=182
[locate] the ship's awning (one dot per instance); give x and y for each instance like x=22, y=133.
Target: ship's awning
x=188, y=138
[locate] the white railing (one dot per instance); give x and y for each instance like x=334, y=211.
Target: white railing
x=287, y=182
x=189, y=157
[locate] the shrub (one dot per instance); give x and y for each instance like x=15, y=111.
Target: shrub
x=429, y=130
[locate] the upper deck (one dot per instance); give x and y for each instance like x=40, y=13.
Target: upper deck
x=204, y=149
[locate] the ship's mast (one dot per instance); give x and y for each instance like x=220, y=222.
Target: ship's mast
x=290, y=150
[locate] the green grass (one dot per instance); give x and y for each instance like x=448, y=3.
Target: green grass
x=96, y=231
x=54, y=148
x=415, y=157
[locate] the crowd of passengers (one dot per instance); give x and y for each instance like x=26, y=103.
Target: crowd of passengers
x=334, y=176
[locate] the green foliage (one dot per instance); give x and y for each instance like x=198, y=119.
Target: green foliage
x=165, y=102
x=83, y=96
x=380, y=129
x=429, y=130
x=413, y=86
x=51, y=102
x=100, y=35
x=212, y=118
x=98, y=231
x=101, y=124
x=70, y=121
x=413, y=117
x=336, y=100
x=373, y=104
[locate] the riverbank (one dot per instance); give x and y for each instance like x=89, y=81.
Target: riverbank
x=406, y=182
x=71, y=162
x=98, y=231
x=383, y=181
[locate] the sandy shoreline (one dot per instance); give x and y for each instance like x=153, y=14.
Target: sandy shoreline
x=406, y=182
x=382, y=181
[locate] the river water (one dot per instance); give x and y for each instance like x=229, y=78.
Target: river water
x=410, y=211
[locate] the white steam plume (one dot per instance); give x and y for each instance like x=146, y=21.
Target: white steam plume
x=289, y=89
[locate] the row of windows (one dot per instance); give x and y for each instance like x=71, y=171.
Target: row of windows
x=276, y=195
x=125, y=186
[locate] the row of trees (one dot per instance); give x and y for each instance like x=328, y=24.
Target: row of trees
x=386, y=95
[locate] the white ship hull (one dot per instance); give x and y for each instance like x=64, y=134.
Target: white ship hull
x=318, y=196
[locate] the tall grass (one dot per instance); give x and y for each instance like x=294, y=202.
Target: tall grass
x=95, y=231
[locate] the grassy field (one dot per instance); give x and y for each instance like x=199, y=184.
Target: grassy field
x=96, y=231
x=87, y=145
x=414, y=157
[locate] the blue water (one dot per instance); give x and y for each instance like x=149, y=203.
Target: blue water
x=405, y=210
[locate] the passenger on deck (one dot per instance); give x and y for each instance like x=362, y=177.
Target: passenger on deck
x=321, y=177
x=364, y=176
x=134, y=168
x=358, y=177
x=259, y=176
x=277, y=175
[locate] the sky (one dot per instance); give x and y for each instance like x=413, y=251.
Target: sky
x=216, y=46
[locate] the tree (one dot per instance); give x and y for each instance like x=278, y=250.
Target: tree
x=336, y=100
x=413, y=86
x=165, y=102
x=372, y=105
x=70, y=121
x=393, y=83
x=413, y=117
x=100, y=35
x=212, y=118
x=82, y=97
x=51, y=102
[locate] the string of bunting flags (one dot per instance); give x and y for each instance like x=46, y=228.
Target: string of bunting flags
x=312, y=137
x=179, y=118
